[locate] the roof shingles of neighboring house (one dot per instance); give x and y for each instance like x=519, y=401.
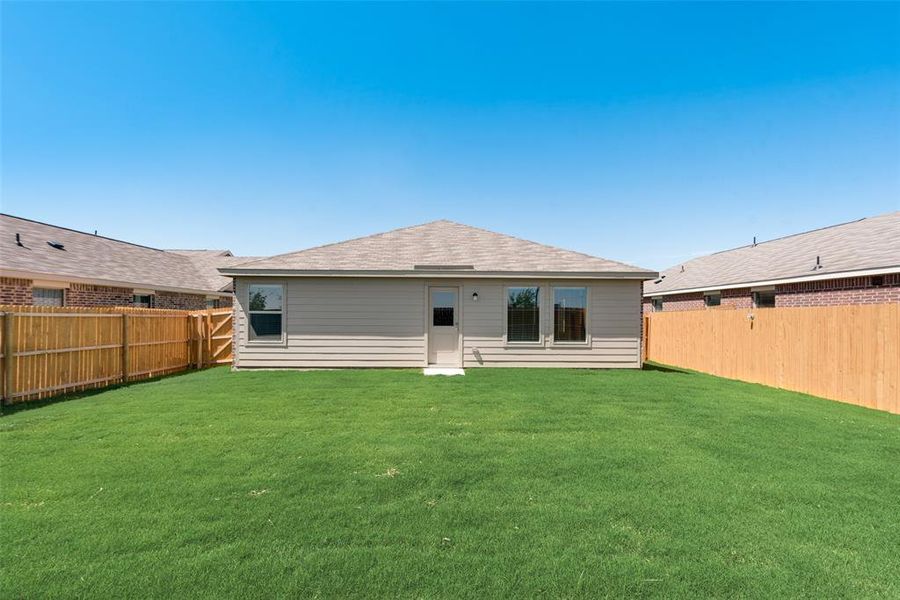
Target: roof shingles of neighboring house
x=435, y=246
x=95, y=258
x=842, y=250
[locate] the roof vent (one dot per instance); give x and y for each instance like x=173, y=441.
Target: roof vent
x=19, y=241
x=444, y=267
x=56, y=245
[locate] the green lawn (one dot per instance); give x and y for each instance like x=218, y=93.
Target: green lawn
x=515, y=483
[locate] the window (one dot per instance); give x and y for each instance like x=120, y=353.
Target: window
x=48, y=297
x=212, y=303
x=713, y=299
x=765, y=299
x=523, y=314
x=442, y=304
x=266, y=311
x=144, y=300
x=569, y=314
x=657, y=304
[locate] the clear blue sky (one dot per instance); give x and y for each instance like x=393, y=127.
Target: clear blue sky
x=645, y=133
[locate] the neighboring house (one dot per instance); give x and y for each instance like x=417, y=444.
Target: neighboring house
x=44, y=264
x=851, y=263
x=439, y=294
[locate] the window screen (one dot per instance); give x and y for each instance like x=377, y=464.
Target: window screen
x=713, y=299
x=523, y=314
x=266, y=312
x=569, y=314
x=657, y=304
x=47, y=297
x=212, y=303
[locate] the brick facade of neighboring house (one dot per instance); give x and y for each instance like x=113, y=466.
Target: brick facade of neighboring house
x=15, y=291
x=827, y=292
x=21, y=291
x=81, y=294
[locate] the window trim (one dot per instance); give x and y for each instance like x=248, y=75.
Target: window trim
x=246, y=297
x=587, y=316
x=541, y=341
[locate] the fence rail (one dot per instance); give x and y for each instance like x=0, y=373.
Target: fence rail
x=48, y=351
x=846, y=353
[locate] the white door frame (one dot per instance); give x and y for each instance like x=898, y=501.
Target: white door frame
x=430, y=285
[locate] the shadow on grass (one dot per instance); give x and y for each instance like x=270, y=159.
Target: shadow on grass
x=9, y=409
x=651, y=366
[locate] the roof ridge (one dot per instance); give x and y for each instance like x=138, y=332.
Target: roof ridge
x=93, y=235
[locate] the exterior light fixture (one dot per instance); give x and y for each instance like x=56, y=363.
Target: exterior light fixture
x=474, y=296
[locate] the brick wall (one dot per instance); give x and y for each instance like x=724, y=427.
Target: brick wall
x=179, y=301
x=739, y=298
x=829, y=292
x=20, y=291
x=15, y=291
x=83, y=294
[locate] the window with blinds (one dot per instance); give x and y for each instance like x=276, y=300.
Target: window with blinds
x=48, y=297
x=523, y=314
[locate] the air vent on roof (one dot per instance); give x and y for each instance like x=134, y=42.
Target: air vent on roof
x=56, y=245
x=444, y=267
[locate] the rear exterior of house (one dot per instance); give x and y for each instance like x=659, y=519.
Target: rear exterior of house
x=440, y=294
x=851, y=263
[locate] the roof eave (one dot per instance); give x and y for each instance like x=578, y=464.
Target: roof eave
x=19, y=274
x=784, y=280
x=441, y=274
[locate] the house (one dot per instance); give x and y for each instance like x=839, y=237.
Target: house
x=48, y=265
x=441, y=294
x=851, y=263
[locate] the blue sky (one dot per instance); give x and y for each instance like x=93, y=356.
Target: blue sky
x=647, y=133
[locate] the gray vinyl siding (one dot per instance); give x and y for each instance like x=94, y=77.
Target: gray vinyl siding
x=614, y=328
x=342, y=323
x=335, y=322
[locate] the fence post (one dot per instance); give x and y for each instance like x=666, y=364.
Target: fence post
x=645, y=339
x=125, y=358
x=198, y=331
x=8, y=347
x=209, y=349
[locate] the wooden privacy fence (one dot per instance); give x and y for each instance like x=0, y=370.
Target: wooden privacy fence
x=846, y=353
x=48, y=351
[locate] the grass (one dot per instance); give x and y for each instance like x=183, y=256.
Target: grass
x=513, y=483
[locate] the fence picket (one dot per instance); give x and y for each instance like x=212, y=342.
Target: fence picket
x=47, y=351
x=846, y=353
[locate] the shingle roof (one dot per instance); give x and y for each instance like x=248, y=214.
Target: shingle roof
x=92, y=257
x=871, y=243
x=208, y=263
x=439, y=245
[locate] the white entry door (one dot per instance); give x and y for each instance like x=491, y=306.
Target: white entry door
x=443, y=327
